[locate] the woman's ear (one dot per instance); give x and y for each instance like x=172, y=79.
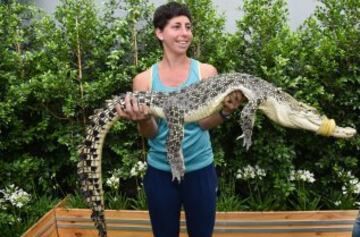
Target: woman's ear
x=159, y=34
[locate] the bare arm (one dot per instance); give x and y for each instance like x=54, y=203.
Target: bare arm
x=147, y=126
x=231, y=102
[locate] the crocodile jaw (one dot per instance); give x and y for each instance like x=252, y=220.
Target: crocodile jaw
x=314, y=121
x=302, y=117
x=346, y=132
x=311, y=120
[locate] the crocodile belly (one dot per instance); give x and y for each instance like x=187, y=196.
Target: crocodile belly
x=204, y=110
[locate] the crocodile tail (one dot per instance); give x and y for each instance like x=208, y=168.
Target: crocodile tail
x=89, y=166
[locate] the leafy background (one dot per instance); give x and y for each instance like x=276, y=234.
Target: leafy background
x=56, y=69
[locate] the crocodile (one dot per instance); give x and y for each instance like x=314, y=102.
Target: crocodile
x=192, y=104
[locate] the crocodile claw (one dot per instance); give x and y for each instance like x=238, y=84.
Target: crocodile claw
x=178, y=173
x=247, y=141
x=240, y=137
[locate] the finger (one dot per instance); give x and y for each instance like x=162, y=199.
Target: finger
x=141, y=108
x=238, y=97
x=231, y=98
x=121, y=112
x=146, y=110
x=128, y=106
x=234, y=97
x=135, y=105
x=227, y=99
x=118, y=109
x=140, y=113
x=228, y=104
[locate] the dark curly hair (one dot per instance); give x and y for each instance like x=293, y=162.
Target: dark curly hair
x=166, y=12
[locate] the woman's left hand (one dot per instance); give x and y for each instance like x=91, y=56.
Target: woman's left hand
x=232, y=101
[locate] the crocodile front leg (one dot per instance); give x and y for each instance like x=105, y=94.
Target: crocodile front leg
x=175, y=119
x=247, y=121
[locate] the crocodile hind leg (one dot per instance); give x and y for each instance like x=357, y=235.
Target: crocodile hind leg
x=175, y=119
x=247, y=121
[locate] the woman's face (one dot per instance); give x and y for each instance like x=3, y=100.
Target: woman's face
x=176, y=35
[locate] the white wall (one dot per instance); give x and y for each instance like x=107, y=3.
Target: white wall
x=299, y=10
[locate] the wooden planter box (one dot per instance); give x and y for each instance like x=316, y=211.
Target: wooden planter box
x=65, y=222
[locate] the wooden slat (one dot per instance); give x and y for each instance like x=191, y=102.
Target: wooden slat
x=288, y=215
x=46, y=226
x=76, y=222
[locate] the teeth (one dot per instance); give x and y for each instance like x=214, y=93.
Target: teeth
x=183, y=44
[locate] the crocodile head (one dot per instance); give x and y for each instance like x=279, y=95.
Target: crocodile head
x=288, y=112
x=311, y=120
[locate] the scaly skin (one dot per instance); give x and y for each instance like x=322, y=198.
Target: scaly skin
x=192, y=104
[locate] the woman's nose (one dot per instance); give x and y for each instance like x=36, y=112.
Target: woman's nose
x=185, y=30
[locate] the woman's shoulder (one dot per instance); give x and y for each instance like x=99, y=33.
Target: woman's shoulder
x=141, y=81
x=207, y=70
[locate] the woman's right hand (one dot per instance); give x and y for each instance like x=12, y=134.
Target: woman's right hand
x=133, y=110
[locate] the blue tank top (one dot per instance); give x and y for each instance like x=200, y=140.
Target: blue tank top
x=196, y=145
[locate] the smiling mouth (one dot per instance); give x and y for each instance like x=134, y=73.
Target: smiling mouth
x=183, y=43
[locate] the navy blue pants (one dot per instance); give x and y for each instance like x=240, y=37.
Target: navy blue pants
x=356, y=227
x=196, y=193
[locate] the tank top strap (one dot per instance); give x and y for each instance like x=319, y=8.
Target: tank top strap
x=195, y=73
x=151, y=78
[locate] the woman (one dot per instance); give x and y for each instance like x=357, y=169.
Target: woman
x=197, y=192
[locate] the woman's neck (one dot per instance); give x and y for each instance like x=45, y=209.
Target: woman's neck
x=174, y=71
x=174, y=61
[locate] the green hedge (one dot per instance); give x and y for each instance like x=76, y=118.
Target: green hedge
x=56, y=69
